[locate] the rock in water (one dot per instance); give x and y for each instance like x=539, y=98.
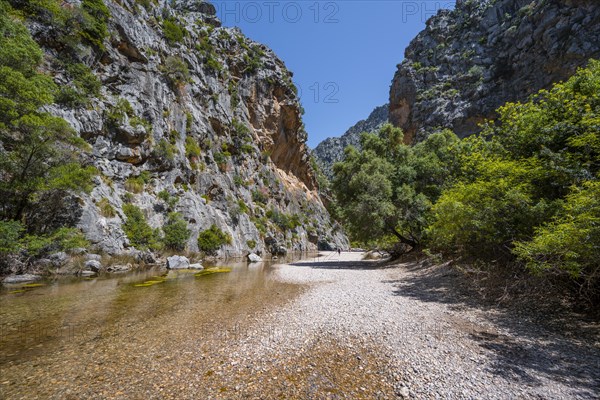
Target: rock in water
x=21, y=278
x=178, y=262
x=253, y=258
x=196, y=266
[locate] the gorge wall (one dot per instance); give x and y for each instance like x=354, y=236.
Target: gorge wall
x=206, y=123
x=469, y=61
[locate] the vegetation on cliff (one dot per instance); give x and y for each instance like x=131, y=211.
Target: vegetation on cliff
x=38, y=150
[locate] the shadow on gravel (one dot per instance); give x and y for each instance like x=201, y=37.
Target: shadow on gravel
x=560, y=346
x=356, y=265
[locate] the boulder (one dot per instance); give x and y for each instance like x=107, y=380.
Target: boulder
x=253, y=258
x=196, y=266
x=59, y=259
x=93, y=265
x=178, y=262
x=21, y=278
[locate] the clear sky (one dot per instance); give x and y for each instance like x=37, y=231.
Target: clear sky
x=343, y=53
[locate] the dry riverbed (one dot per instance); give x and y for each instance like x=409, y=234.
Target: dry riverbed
x=331, y=327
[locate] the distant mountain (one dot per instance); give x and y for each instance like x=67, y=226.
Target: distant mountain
x=331, y=150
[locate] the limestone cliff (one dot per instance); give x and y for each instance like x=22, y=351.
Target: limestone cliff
x=469, y=61
x=331, y=150
x=210, y=120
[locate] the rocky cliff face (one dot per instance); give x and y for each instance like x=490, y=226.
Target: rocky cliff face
x=207, y=125
x=331, y=150
x=471, y=60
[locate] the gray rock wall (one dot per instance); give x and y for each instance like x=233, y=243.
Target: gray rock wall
x=469, y=61
x=236, y=102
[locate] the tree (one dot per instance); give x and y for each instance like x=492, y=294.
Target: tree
x=387, y=188
x=512, y=180
x=35, y=146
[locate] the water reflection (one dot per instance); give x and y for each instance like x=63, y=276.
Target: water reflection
x=77, y=312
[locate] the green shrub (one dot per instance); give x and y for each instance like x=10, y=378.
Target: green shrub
x=251, y=243
x=165, y=151
x=192, y=149
x=173, y=31
x=170, y=201
x=139, y=233
x=106, y=209
x=176, y=71
x=135, y=184
x=189, y=122
x=117, y=114
x=176, y=232
x=243, y=207
x=260, y=196
x=213, y=239
x=84, y=86
x=94, y=24
x=63, y=239
x=569, y=243
x=10, y=232
x=284, y=221
x=213, y=64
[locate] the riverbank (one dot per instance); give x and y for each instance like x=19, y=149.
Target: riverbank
x=330, y=327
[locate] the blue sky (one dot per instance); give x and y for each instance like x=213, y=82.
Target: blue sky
x=343, y=53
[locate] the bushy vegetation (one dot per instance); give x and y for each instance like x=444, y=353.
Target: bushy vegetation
x=69, y=25
x=213, y=239
x=139, y=233
x=38, y=159
x=283, y=221
x=525, y=190
x=176, y=232
x=84, y=85
x=173, y=31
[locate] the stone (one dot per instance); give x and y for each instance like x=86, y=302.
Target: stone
x=78, y=251
x=178, y=262
x=196, y=266
x=94, y=257
x=59, y=259
x=253, y=258
x=21, y=278
x=404, y=392
x=119, y=268
x=87, y=273
x=93, y=265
